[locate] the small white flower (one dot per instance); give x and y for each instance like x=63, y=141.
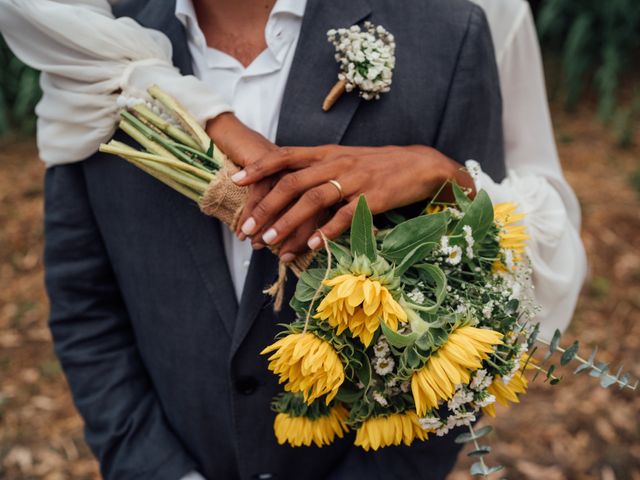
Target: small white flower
x=444, y=245
x=487, y=309
x=481, y=380
x=455, y=255
x=460, y=398
x=377, y=396
x=485, y=400
x=405, y=386
x=381, y=348
x=383, y=366
x=430, y=423
x=417, y=296
x=468, y=238
x=461, y=419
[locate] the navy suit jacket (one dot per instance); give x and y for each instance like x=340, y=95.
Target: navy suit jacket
x=163, y=363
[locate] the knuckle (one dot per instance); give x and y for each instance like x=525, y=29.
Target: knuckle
x=315, y=196
x=290, y=182
x=260, y=211
x=285, y=153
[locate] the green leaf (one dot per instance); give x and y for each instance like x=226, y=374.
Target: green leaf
x=581, y=368
x=601, y=369
x=435, y=274
x=570, y=353
x=416, y=255
x=362, y=239
x=396, y=339
x=479, y=216
x=210, y=150
x=462, y=199
x=475, y=435
x=348, y=395
x=340, y=253
x=553, y=346
x=479, y=469
x=534, y=335
x=413, y=359
x=480, y=452
x=404, y=238
x=309, y=282
x=607, y=380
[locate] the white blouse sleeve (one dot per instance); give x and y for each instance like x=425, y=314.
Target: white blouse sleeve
x=89, y=61
x=535, y=180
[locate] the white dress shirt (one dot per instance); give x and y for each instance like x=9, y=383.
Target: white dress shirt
x=255, y=92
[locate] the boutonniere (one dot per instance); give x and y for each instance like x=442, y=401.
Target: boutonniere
x=366, y=57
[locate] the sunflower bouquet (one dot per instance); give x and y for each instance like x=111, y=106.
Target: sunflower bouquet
x=401, y=333
x=414, y=330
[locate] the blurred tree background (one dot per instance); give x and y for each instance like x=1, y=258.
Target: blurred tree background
x=19, y=93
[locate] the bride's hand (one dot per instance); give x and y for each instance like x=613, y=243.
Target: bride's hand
x=390, y=177
x=244, y=147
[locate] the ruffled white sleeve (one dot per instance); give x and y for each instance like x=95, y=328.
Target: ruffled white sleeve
x=535, y=181
x=89, y=60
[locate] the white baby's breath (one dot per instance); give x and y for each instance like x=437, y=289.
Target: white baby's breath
x=366, y=57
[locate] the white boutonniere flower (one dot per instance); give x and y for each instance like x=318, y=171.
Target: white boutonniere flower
x=366, y=57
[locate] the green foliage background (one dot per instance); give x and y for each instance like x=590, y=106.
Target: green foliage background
x=19, y=93
x=598, y=45
x=596, y=42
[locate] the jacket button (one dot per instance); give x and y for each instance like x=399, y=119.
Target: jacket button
x=264, y=476
x=247, y=386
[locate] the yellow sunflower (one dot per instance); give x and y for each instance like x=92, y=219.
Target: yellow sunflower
x=512, y=237
x=299, y=431
x=451, y=365
x=307, y=364
x=394, y=429
x=359, y=303
x=435, y=208
x=506, y=392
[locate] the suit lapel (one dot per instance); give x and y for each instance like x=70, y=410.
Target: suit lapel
x=302, y=122
x=313, y=72
x=203, y=235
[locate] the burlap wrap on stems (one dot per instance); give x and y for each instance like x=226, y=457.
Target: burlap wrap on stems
x=224, y=200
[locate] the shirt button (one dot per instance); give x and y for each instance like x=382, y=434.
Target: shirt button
x=246, y=263
x=247, y=386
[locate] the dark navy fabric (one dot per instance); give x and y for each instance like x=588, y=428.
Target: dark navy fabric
x=163, y=362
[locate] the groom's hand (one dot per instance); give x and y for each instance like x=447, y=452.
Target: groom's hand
x=390, y=177
x=244, y=147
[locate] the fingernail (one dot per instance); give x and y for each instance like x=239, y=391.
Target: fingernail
x=257, y=246
x=288, y=257
x=249, y=226
x=314, y=242
x=242, y=237
x=269, y=236
x=236, y=177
